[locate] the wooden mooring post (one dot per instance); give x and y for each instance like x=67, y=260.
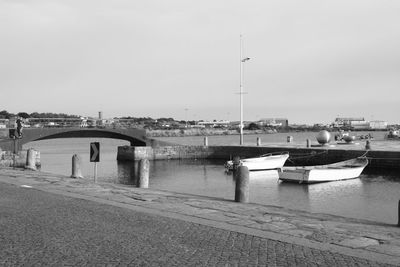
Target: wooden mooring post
x=242, y=188
x=368, y=145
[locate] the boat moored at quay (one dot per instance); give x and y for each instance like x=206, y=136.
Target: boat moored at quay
x=270, y=161
x=344, y=170
x=393, y=134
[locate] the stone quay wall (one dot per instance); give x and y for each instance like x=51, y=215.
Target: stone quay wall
x=298, y=156
x=19, y=160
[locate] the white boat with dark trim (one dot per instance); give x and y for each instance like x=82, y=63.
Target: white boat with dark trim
x=271, y=161
x=393, y=135
x=343, y=170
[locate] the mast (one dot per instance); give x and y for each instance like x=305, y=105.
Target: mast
x=242, y=60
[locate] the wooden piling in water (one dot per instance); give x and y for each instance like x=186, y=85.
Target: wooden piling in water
x=368, y=145
x=242, y=188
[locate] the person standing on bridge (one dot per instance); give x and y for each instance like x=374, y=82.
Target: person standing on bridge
x=19, y=127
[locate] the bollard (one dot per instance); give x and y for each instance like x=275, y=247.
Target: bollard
x=289, y=139
x=37, y=162
x=308, y=143
x=242, y=188
x=368, y=145
x=258, y=141
x=31, y=159
x=205, y=141
x=76, y=167
x=144, y=169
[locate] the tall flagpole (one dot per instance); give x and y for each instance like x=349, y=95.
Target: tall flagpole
x=242, y=60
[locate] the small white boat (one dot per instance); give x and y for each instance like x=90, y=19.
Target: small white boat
x=343, y=170
x=393, y=135
x=271, y=161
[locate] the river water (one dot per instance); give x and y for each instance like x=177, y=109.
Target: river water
x=374, y=196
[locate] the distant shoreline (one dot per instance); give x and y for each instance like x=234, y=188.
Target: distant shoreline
x=212, y=132
x=202, y=132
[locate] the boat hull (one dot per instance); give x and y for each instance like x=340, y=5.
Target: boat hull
x=325, y=173
x=270, y=162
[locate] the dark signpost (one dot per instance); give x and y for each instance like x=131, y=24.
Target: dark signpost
x=95, y=156
x=95, y=152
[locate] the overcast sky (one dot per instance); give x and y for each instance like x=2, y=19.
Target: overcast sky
x=311, y=61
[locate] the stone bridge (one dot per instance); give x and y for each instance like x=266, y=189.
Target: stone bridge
x=136, y=137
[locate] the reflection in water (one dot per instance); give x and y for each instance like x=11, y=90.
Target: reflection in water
x=294, y=195
x=255, y=176
x=128, y=172
x=205, y=172
x=329, y=197
x=335, y=195
x=380, y=193
x=381, y=175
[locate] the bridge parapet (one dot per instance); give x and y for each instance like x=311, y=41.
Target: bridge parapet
x=72, y=123
x=136, y=137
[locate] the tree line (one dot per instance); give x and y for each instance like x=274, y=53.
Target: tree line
x=4, y=114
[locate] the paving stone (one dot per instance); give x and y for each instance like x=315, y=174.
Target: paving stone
x=359, y=242
x=273, y=227
x=298, y=232
x=243, y=222
x=386, y=249
x=218, y=216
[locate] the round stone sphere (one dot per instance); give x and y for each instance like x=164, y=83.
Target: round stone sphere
x=323, y=137
x=349, y=138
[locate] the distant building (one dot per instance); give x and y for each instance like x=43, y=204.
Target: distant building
x=359, y=124
x=348, y=122
x=274, y=122
x=300, y=126
x=378, y=125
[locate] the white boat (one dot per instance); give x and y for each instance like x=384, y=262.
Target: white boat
x=271, y=161
x=393, y=135
x=343, y=170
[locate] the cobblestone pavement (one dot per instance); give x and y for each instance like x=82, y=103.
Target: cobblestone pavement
x=53, y=220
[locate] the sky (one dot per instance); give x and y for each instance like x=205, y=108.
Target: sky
x=310, y=61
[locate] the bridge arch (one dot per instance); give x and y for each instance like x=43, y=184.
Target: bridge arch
x=136, y=137
x=87, y=133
